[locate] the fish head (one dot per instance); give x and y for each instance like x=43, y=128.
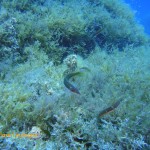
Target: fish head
x=75, y=90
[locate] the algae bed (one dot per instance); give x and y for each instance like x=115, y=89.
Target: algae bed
x=41, y=42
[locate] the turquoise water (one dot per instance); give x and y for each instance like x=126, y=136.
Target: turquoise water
x=142, y=12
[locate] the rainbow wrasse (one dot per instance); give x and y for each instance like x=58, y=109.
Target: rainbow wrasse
x=110, y=109
x=69, y=85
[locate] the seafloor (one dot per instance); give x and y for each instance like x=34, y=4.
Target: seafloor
x=74, y=75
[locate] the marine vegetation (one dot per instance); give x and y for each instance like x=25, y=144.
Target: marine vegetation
x=45, y=46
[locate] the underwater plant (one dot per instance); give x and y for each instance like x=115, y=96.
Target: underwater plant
x=47, y=47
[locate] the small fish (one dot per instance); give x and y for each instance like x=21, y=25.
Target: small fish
x=85, y=69
x=69, y=85
x=110, y=109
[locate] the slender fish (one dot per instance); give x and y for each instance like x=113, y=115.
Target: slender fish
x=110, y=109
x=70, y=86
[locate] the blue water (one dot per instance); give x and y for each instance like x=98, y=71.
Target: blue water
x=142, y=8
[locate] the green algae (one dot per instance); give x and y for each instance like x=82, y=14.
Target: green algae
x=32, y=92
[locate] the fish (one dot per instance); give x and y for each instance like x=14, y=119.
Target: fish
x=70, y=86
x=85, y=69
x=111, y=108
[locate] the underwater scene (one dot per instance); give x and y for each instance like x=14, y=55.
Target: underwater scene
x=142, y=9
x=74, y=75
